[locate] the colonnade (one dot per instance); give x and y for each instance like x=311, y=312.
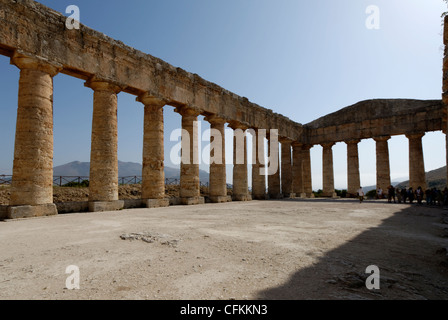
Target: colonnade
x=416, y=165
x=32, y=182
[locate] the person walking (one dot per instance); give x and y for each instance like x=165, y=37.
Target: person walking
x=361, y=195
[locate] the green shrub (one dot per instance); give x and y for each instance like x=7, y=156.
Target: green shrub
x=83, y=184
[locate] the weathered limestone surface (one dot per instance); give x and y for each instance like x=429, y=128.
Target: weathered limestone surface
x=417, y=175
x=328, y=172
x=32, y=182
x=36, y=39
x=382, y=163
x=286, y=174
x=189, y=168
x=240, y=178
x=373, y=118
x=42, y=210
x=103, y=185
x=297, y=170
x=218, y=179
x=258, y=179
x=354, y=180
x=153, y=181
x=306, y=171
x=274, y=184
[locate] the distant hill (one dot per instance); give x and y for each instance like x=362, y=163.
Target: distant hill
x=125, y=169
x=434, y=179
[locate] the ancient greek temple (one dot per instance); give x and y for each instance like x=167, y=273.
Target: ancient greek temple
x=40, y=46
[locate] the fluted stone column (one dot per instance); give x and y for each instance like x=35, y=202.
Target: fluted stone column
x=153, y=172
x=354, y=180
x=328, y=171
x=382, y=163
x=297, y=170
x=274, y=185
x=258, y=179
x=218, y=180
x=32, y=181
x=417, y=175
x=103, y=187
x=240, y=174
x=286, y=175
x=190, y=189
x=307, y=177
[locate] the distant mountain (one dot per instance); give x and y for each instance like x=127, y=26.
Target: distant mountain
x=434, y=179
x=125, y=169
x=370, y=188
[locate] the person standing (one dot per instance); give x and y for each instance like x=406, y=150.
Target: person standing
x=379, y=193
x=404, y=194
x=399, y=196
x=361, y=195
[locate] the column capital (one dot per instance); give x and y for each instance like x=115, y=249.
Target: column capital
x=382, y=138
x=412, y=136
x=307, y=147
x=23, y=62
x=238, y=125
x=185, y=111
x=215, y=120
x=355, y=141
x=97, y=84
x=327, y=145
x=285, y=140
x=149, y=100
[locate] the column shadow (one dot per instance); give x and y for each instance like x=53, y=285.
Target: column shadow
x=410, y=249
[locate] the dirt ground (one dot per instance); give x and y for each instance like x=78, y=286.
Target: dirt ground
x=290, y=249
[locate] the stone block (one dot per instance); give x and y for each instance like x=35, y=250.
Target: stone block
x=242, y=197
x=157, y=203
x=73, y=207
x=99, y=206
x=3, y=212
x=220, y=199
x=192, y=201
x=19, y=212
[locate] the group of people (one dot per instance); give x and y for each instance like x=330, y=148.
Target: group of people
x=432, y=196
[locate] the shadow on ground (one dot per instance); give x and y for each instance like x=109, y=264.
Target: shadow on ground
x=409, y=248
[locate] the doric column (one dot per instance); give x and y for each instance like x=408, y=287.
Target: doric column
x=307, y=177
x=274, y=186
x=417, y=175
x=103, y=187
x=32, y=181
x=153, y=180
x=353, y=178
x=286, y=175
x=218, y=180
x=297, y=170
x=328, y=172
x=382, y=163
x=240, y=175
x=258, y=167
x=190, y=189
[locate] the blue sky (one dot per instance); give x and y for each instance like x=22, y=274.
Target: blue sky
x=303, y=59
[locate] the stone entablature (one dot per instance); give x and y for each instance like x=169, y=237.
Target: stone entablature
x=372, y=118
x=40, y=32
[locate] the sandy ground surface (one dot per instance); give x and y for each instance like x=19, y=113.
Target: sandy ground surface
x=315, y=249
